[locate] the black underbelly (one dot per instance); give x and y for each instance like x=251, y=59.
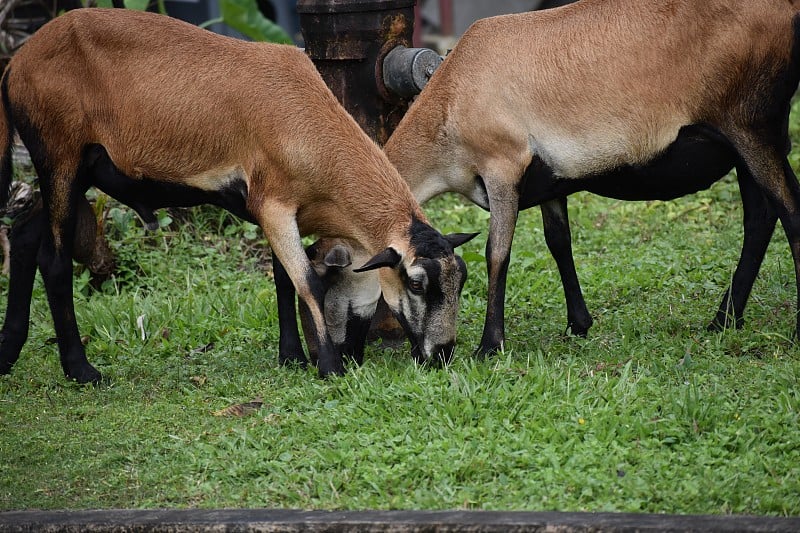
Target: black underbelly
x=146, y=194
x=697, y=159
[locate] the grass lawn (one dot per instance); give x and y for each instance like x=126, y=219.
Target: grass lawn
x=649, y=413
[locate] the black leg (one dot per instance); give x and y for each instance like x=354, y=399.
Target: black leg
x=56, y=267
x=290, y=349
x=26, y=236
x=504, y=207
x=771, y=171
x=557, y=234
x=759, y=225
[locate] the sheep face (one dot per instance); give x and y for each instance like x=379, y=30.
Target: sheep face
x=422, y=287
x=350, y=298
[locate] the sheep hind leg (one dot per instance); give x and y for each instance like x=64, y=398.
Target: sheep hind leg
x=26, y=237
x=759, y=225
x=772, y=173
x=55, y=263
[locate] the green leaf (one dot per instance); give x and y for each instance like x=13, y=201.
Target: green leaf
x=138, y=5
x=104, y=3
x=472, y=257
x=164, y=220
x=244, y=17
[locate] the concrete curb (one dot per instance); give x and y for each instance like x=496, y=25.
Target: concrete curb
x=241, y=520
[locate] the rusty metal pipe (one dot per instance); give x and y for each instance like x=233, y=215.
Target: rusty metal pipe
x=347, y=40
x=362, y=49
x=446, y=17
x=406, y=71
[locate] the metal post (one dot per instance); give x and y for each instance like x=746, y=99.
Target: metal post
x=348, y=41
x=363, y=50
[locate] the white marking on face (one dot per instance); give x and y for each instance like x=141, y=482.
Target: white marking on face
x=443, y=317
x=432, y=315
x=415, y=304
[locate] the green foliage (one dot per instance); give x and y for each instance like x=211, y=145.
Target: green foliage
x=241, y=15
x=650, y=413
x=138, y=5
x=245, y=17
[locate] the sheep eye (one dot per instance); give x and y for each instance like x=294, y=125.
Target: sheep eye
x=416, y=286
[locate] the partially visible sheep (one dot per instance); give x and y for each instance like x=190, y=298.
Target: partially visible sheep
x=350, y=301
x=627, y=99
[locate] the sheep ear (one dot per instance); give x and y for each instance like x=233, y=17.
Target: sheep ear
x=338, y=257
x=457, y=239
x=387, y=258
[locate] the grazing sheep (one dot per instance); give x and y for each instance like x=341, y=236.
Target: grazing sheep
x=627, y=99
x=157, y=112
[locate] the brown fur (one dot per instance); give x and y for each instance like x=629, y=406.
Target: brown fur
x=185, y=128
x=547, y=79
x=173, y=103
x=590, y=88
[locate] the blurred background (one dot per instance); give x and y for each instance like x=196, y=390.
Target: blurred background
x=439, y=23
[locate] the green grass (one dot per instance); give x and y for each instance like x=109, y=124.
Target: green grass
x=650, y=413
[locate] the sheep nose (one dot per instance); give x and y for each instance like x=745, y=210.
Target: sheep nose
x=442, y=354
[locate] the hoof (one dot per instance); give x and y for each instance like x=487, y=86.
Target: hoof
x=6, y=366
x=578, y=324
x=85, y=374
x=573, y=331
x=336, y=371
x=485, y=351
x=9, y=353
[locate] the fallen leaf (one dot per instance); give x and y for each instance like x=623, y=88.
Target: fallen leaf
x=198, y=380
x=241, y=409
x=203, y=349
